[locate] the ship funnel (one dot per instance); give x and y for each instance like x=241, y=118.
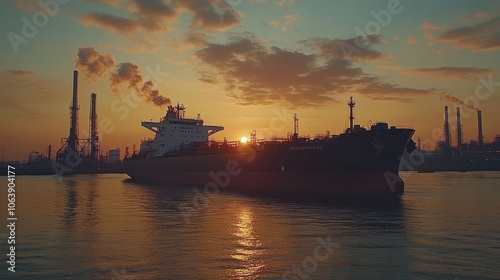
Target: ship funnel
x=459, y=129
x=479, y=128
x=446, y=128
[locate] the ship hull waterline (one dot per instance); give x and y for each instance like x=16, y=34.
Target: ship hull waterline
x=313, y=183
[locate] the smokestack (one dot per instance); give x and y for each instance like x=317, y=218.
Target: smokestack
x=49, y=152
x=94, y=137
x=479, y=128
x=459, y=129
x=446, y=128
x=73, y=130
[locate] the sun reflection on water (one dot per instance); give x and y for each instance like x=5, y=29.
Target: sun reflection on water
x=248, y=248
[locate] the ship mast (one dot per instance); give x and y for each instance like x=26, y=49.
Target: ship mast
x=295, y=126
x=351, y=115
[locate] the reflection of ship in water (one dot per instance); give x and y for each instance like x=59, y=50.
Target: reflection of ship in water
x=473, y=156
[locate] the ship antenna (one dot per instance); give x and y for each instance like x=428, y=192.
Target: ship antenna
x=351, y=104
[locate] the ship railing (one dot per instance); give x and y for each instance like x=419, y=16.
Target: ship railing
x=213, y=146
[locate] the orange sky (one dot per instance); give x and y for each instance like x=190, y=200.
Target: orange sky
x=245, y=65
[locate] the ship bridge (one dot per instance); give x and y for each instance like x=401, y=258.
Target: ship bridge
x=174, y=130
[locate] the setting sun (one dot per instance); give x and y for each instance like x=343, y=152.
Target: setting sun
x=243, y=140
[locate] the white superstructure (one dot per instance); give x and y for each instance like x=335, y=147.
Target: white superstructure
x=174, y=130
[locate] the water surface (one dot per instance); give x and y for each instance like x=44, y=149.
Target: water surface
x=446, y=226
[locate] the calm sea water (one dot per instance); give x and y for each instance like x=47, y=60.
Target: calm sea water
x=446, y=226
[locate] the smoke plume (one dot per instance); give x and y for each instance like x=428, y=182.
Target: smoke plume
x=129, y=75
x=153, y=95
x=96, y=65
x=93, y=63
x=449, y=97
x=126, y=73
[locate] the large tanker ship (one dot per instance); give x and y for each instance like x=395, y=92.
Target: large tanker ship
x=356, y=162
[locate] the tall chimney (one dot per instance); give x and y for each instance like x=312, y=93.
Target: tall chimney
x=94, y=137
x=459, y=129
x=479, y=128
x=73, y=129
x=446, y=128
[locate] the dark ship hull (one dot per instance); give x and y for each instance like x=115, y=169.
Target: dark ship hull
x=351, y=164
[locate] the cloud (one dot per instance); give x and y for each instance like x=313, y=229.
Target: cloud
x=154, y=8
x=478, y=17
x=284, y=23
x=156, y=15
x=23, y=77
x=120, y=24
x=412, y=40
x=457, y=73
x=482, y=15
x=195, y=38
x=387, y=91
x=19, y=73
x=94, y=64
x=129, y=75
x=444, y=72
x=28, y=6
x=14, y=106
x=483, y=36
x=108, y=2
x=358, y=48
x=253, y=73
x=282, y=3
x=432, y=26
x=213, y=15
x=396, y=37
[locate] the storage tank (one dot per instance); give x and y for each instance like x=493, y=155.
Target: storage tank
x=114, y=155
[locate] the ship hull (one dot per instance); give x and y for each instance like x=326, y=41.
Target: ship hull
x=354, y=164
x=331, y=183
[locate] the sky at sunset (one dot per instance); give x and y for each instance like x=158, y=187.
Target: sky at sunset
x=247, y=65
